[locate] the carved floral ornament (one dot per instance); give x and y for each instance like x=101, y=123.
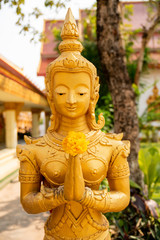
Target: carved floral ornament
x=69, y=30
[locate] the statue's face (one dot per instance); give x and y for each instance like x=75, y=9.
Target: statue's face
x=71, y=93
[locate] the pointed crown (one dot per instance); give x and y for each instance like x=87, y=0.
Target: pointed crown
x=70, y=35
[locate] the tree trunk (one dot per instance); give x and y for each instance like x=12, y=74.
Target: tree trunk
x=112, y=58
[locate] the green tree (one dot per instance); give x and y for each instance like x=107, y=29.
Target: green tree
x=112, y=54
x=120, y=85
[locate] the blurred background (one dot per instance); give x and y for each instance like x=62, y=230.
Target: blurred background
x=124, y=44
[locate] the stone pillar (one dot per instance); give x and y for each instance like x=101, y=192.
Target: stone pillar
x=11, y=113
x=11, y=129
x=47, y=120
x=35, y=122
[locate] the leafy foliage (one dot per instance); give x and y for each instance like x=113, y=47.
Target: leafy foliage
x=149, y=162
x=57, y=35
x=153, y=113
x=150, y=114
x=128, y=11
x=129, y=37
x=140, y=220
x=132, y=64
x=25, y=19
x=90, y=52
x=108, y=112
x=135, y=222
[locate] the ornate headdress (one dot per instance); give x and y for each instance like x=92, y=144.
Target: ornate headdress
x=71, y=60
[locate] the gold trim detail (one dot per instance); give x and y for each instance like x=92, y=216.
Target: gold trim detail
x=119, y=171
x=29, y=178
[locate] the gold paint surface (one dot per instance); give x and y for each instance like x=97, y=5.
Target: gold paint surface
x=68, y=186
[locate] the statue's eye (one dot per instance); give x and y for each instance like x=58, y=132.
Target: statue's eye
x=81, y=94
x=61, y=94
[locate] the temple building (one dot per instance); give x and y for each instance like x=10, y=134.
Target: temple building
x=18, y=94
x=21, y=103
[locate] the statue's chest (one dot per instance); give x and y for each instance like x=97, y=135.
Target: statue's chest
x=54, y=164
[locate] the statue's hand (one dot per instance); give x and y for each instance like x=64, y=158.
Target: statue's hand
x=56, y=195
x=87, y=196
x=79, y=184
x=74, y=186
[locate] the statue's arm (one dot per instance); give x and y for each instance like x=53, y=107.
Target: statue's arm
x=35, y=201
x=118, y=178
x=113, y=201
x=34, y=197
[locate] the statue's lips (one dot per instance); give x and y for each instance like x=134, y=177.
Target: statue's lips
x=71, y=108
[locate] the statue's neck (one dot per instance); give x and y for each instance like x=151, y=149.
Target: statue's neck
x=77, y=125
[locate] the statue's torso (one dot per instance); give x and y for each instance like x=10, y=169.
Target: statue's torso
x=53, y=161
x=73, y=218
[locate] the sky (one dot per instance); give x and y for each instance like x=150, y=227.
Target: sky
x=17, y=48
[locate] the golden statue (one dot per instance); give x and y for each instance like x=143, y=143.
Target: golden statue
x=64, y=184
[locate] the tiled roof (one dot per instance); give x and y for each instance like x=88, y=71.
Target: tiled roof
x=10, y=70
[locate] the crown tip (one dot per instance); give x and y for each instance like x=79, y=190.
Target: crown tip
x=69, y=14
x=69, y=29
x=69, y=10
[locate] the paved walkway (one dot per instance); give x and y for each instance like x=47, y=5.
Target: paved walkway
x=15, y=223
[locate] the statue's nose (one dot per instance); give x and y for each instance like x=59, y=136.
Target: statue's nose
x=71, y=98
